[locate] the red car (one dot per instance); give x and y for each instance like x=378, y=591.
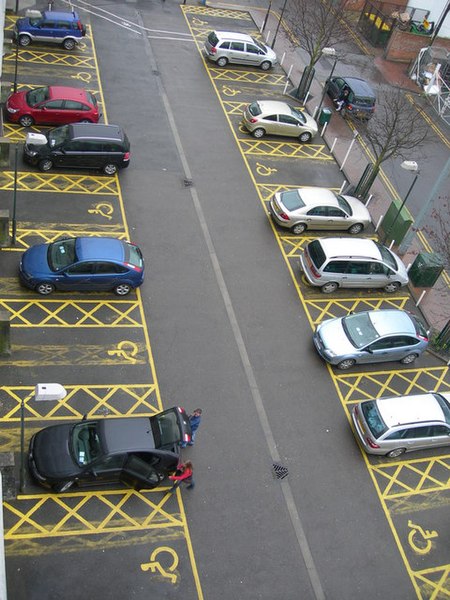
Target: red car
x=52, y=105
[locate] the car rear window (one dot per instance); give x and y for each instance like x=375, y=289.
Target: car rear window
x=373, y=418
x=213, y=39
x=254, y=109
x=165, y=429
x=316, y=253
x=364, y=100
x=133, y=255
x=292, y=200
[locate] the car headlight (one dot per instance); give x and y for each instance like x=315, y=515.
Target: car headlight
x=329, y=353
x=12, y=110
x=30, y=152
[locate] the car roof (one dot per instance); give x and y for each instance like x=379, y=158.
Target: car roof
x=98, y=248
x=66, y=93
x=53, y=15
x=350, y=248
x=359, y=86
x=410, y=409
x=132, y=434
x=391, y=321
x=273, y=106
x=96, y=130
x=232, y=35
x=316, y=196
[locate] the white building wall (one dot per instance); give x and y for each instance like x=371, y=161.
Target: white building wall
x=436, y=8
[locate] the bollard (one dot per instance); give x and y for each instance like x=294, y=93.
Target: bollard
x=5, y=344
x=4, y=228
x=5, y=145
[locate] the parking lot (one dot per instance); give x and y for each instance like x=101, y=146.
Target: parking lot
x=114, y=355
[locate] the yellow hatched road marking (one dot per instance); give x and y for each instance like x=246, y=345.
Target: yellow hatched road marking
x=34, y=516
x=216, y=12
x=410, y=477
x=28, y=237
x=434, y=583
x=247, y=76
x=267, y=190
x=28, y=181
x=114, y=400
x=51, y=58
x=252, y=147
x=337, y=307
x=72, y=313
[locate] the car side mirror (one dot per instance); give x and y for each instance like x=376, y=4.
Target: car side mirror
x=369, y=350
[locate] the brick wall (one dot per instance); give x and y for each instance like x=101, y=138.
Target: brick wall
x=404, y=46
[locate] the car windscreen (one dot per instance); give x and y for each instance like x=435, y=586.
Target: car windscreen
x=344, y=205
x=260, y=46
x=165, y=429
x=298, y=115
x=387, y=257
x=91, y=98
x=36, y=96
x=359, y=329
x=420, y=328
x=85, y=443
x=133, y=255
x=58, y=136
x=61, y=254
x=373, y=418
x=316, y=253
x=445, y=407
x=292, y=200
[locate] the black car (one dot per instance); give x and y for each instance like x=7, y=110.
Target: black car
x=137, y=451
x=361, y=99
x=79, y=146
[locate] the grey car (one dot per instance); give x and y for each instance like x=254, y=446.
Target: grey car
x=223, y=47
x=318, y=208
x=370, y=337
x=393, y=426
x=271, y=117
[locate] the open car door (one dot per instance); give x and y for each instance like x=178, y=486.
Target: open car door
x=139, y=474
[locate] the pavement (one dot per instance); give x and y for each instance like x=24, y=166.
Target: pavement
x=433, y=302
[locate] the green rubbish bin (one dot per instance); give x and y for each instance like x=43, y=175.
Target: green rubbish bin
x=325, y=116
x=426, y=270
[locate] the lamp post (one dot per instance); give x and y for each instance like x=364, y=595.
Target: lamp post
x=279, y=23
x=408, y=165
x=42, y=391
x=327, y=52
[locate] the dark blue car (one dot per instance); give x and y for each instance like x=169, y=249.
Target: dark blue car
x=51, y=27
x=84, y=263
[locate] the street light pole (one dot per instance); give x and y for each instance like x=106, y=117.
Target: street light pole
x=279, y=23
x=327, y=52
x=408, y=166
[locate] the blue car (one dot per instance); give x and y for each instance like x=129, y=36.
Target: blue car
x=84, y=263
x=51, y=27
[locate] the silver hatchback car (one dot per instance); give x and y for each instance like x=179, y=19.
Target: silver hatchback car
x=393, y=426
x=330, y=263
x=278, y=118
x=223, y=47
x=318, y=208
x=370, y=337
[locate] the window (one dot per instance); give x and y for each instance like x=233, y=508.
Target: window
x=377, y=269
x=252, y=49
x=358, y=268
x=318, y=211
x=54, y=104
x=225, y=46
x=399, y=341
x=288, y=120
x=336, y=266
x=334, y=211
x=74, y=105
x=239, y=46
x=105, y=268
x=401, y=434
x=382, y=344
x=439, y=430
x=84, y=268
x=271, y=118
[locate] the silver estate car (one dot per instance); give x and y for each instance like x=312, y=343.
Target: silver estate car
x=393, y=426
x=371, y=337
x=223, y=47
x=330, y=263
x=271, y=117
x=318, y=208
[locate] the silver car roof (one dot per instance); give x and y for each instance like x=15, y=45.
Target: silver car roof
x=410, y=409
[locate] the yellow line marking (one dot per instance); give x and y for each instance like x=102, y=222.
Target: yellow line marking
x=442, y=136
x=28, y=181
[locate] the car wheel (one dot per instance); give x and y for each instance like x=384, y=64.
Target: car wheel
x=24, y=40
x=110, y=169
x=259, y=132
x=85, y=121
x=26, y=120
x=396, y=452
x=46, y=164
x=63, y=487
x=69, y=44
x=45, y=288
x=410, y=358
x=391, y=287
x=346, y=364
x=222, y=62
x=356, y=228
x=122, y=289
x=265, y=66
x=305, y=137
x=329, y=287
x=298, y=228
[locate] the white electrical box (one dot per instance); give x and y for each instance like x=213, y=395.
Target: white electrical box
x=49, y=391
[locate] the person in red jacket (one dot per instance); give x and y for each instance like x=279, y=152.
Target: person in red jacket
x=184, y=473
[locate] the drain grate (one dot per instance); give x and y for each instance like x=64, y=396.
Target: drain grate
x=279, y=471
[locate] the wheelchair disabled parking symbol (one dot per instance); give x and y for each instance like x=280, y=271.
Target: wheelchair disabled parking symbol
x=155, y=566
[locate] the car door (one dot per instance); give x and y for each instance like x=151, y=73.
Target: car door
x=379, y=351
x=108, y=274
x=357, y=275
x=49, y=112
x=77, y=277
x=140, y=473
x=317, y=217
x=335, y=86
x=106, y=469
x=45, y=31
x=289, y=126
x=253, y=54
x=379, y=274
x=237, y=52
x=418, y=437
x=74, y=111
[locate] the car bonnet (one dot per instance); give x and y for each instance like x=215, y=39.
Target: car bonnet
x=51, y=452
x=34, y=261
x=334, y=337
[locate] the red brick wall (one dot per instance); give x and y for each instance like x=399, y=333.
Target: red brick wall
x=404, y=46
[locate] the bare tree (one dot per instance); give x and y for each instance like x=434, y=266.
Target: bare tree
x=439, y=230
x=396, y=130
x=316, y=24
